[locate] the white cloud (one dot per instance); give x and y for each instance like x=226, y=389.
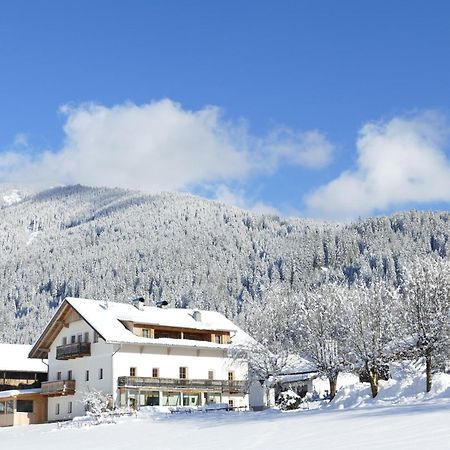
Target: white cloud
x=239, y=198
x=159, y=147
x=399, y=161
x=308, y=149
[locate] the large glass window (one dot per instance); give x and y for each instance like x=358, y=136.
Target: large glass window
x=25, y=406
x=191, y=399
x=213, y=398
x=151, y=398
x=9, y=406
x=2, y=407
x=171, y=399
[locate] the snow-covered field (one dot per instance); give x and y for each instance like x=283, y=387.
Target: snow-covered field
x=423, y=426
x=402, y=417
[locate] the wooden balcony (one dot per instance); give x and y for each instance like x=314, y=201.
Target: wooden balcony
x=58, y=388
x=183, y=384
x=71, y=351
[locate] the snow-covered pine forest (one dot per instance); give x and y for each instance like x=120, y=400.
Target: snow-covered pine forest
x=344, y=295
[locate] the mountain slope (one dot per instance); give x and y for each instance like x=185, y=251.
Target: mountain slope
x=99, y=243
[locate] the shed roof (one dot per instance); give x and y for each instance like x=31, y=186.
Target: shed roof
x=14, y=358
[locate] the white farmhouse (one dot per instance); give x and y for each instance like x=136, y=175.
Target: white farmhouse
x=141, y=355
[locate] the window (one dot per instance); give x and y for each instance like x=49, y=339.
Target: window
x=155, y=372
x=57, y=409
x=69, y=408
x=72, y=339
x=86, y=336
x=183, y=372
x=100, y=374
x=58, y=376
x=145, y=333
x=218, y=339
x=132, y=371
x=230, y=375
x=210, y=374
x=95, y=337
x=69, y=374
x=10, y=407
x=64, y=342
x=2, y=407
x=25, y=406
x=80, y=337
x=87, y=375
x=231, y=403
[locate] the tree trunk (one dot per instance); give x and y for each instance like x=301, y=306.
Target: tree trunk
x=333, y=383
x=373, y=379
x=428, y=370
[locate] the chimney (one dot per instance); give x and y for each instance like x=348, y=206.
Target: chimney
x=139, y=303
x=197, y=316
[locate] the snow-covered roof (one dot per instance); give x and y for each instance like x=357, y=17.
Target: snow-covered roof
x=296, y=364
x=19, y=392
x=14, y=357
x=107, y=319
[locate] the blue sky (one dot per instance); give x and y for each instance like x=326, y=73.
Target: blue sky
x=324, y=109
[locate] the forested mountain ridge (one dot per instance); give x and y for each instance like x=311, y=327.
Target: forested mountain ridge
x=98, y=243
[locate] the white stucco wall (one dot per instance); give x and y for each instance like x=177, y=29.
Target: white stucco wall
x=100, y=358
x=116, y=360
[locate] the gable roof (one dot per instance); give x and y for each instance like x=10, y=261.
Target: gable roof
x=106, y=319
x=14, y=358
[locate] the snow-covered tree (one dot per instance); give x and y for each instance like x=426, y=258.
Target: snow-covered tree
x=96, y=402
x=324, y=330
x=275, y=324
x=371, y=314
x=426, y=310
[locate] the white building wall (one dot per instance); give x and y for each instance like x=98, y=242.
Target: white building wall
x=169, y=360
x=100, y=359
x=116, y=360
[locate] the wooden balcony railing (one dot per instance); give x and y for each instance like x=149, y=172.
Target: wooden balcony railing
x=58, y=388
x=177, y=383
x=76, y=350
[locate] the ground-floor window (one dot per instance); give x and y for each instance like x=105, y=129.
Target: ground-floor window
x=25, y=406
x=171, y=399
x=150, y=398
x=213, y=397
x=191, y=399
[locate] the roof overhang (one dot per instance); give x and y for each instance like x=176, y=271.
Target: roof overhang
x=57, y=322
